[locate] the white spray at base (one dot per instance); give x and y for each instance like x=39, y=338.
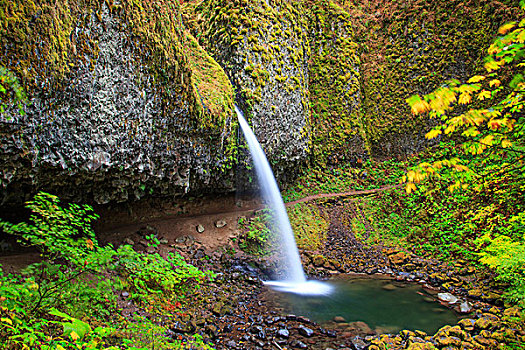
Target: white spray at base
x=295, y=280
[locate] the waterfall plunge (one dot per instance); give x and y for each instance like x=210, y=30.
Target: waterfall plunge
x=295, y=280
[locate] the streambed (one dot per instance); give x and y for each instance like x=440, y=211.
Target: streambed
x=385, y=305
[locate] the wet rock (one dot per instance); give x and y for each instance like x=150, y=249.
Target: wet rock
x=151, y=250
x=361, y=327
x=467, y=324
x=125, y=294
x=475, y=293
x=258, y=331
x=220, y=223
x=359, y=343
x=305, y=331
x=405, y=333
x=129, y=241
x=283, y=333
x=512, y=312
x=328, y=332
x=388, y=287
x=447, y=297
x=486, y=342
x=448, y=341
x=163, y=241
x=199, y=228
x=180, y=239
x=398, y=258
x=464, y=307
x=486, y=321
x=339, y=319
x=299, y=344
x=421, y=346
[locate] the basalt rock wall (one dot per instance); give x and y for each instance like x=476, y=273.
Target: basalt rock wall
x=413, y=47
x=133, y=98
x=116, y=104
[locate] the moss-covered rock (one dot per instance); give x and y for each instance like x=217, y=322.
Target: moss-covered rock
x=263, y=47
x=413, y=47
x=123, y=103
x=334, y=85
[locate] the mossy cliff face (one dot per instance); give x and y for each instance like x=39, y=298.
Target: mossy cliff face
x=263, y=47
x=335, y=93
x=124, y=102
x=119, y=103
x=412, y=47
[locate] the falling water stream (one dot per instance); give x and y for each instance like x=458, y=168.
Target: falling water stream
x=295, y=280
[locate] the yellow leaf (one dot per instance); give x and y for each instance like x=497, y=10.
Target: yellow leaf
x=464, y=98
x=506, y=143
x=420, y=106
x=410, y=175
x=476, y=79
x=494, y=124
x=483, y=95
x=60, y=347
x=6, y=320
x=495, y=82
x=487, y=140
x=74, y=335
x=418, y=177
x=432, y=134
x=506, y=27
x=450, y=129
x=491, y=65
x=494, y=49
x=410, y=187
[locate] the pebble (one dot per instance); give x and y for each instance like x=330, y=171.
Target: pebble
x=299, y=344
x=129, y=241
x=220, y=223
x=199, y=228
x=305, y=331
x=283, y=333
x=449, y=298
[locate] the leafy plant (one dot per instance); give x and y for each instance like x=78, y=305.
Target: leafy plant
x=257, y=233
x=58, y=232
x=10, y=90
x=78, y=277
x=485, y=117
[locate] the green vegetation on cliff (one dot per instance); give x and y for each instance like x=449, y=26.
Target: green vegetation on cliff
x=413, y=47
x=44, y=42
x=334, y=85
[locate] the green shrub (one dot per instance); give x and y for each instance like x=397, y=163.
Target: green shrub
x=78, y=277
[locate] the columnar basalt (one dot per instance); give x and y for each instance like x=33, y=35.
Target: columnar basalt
x=115, y=110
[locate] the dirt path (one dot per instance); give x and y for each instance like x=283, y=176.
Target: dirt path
x=185, y=225
x=342, y=245
x=340, y=194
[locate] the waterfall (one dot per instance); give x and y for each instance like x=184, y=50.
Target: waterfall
x=295, y=280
